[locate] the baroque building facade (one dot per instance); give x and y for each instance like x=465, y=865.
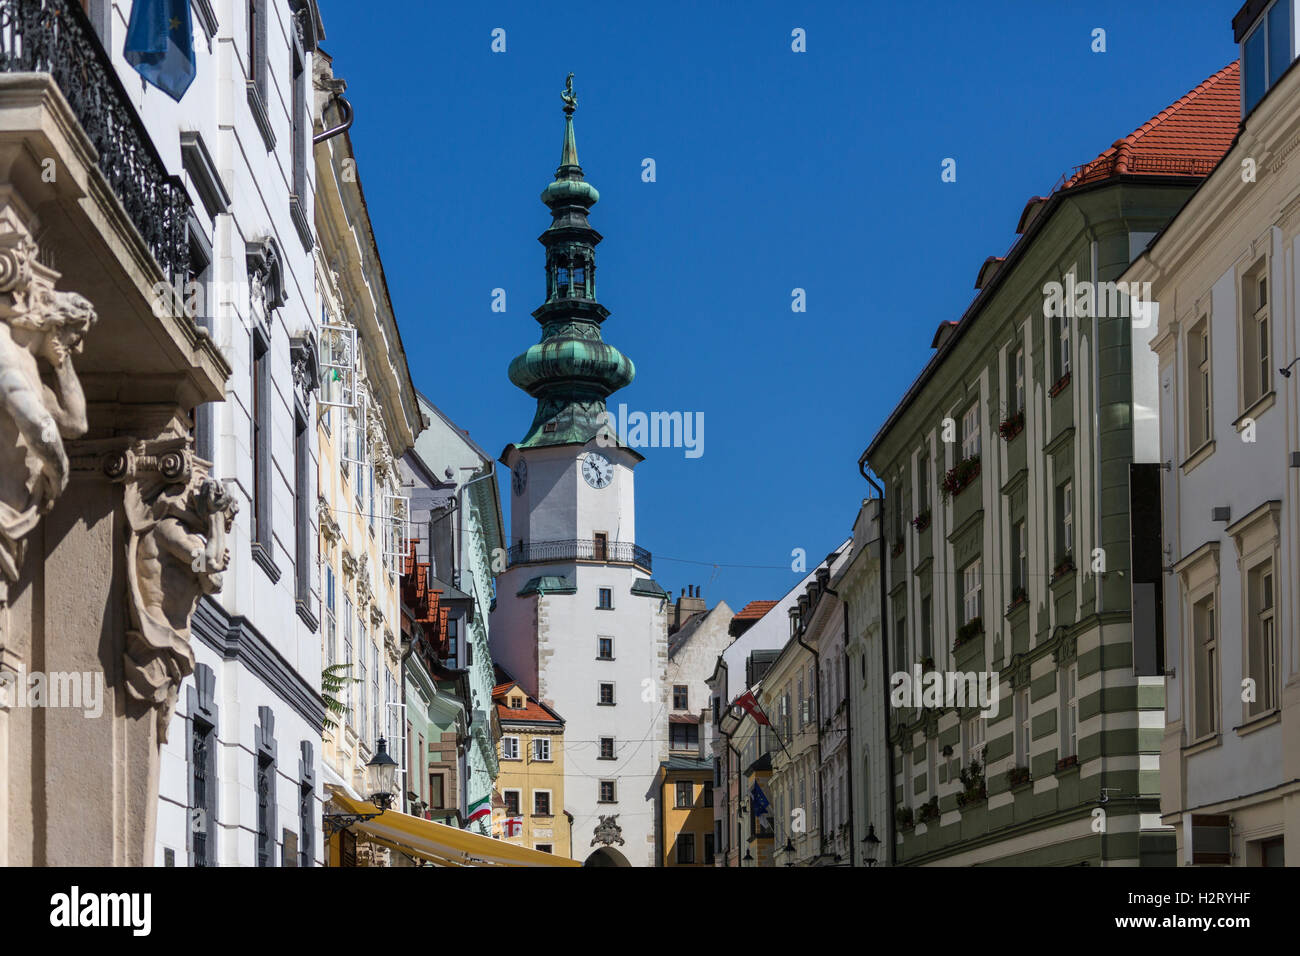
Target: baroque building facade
x=178, y=332
x=580, y=623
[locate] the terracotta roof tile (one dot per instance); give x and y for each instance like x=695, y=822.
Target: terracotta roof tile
x=1188, y=138
x=754, y=610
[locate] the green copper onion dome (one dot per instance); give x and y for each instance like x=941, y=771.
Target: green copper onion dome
x=571, y=371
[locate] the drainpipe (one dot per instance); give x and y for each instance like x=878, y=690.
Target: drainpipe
x=406, y=743
x=884, y=657
x=739, y=838
x=848, y=729
x=345, y=108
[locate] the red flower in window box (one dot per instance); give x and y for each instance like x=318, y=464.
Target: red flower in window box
x=1066, y=762
x=1012, y=426
x=1063, y=567
x=960, y=475
x=1061, y=385
x=1018, y=597
x=922, y=521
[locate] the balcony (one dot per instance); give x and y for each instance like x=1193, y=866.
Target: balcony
x=611, y=552
x=55, y=37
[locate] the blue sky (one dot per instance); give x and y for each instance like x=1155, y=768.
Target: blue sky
x=775, y=170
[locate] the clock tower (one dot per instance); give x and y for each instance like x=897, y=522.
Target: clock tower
x=579, y=619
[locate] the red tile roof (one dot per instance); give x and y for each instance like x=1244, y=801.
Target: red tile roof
x=754, y=610
x=531, y=710
x=1186, y=139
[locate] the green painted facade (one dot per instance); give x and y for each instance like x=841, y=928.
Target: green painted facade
x=1074, y=444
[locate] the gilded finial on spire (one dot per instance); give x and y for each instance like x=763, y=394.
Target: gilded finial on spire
x=570, y=99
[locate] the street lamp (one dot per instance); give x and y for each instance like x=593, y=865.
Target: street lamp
x=872, y=843
x=381, y=774
x=1286, y=372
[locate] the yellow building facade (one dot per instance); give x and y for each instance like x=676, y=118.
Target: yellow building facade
x=686, y=812
x=528, y=808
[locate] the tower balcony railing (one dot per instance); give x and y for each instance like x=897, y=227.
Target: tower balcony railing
x=578, y=549
x=56, y=37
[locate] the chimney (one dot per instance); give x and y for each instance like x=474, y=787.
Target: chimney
x=688, y=604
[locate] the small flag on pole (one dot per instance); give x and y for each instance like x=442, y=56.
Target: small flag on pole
x=749, y=704
x=160, y=44
x=480, y=808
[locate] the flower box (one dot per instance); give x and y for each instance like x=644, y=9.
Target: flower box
x=1063, y=567
x=1012, y=426
x=960, y=476
x=898, y=546
x=903, y=818
x=1019, y=598
x=928, y=811
x=1017, y=776
x=922, y=521
x=968, y=632
x=1061, y=385
x=1065, y=763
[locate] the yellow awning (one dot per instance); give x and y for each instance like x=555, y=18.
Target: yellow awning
x=439, y=843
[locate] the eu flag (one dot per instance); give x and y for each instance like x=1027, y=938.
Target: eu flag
x=160, y=44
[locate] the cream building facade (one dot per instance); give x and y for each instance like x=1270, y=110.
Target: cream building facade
x=369, y=417
x=1222, y=377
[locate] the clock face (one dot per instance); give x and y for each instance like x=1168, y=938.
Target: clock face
x=520, y=476
x=597, y=470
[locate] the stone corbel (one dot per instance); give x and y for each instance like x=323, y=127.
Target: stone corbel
x=40, y=331
x=266, y=274
x=305, y=361
x=376, y=615
x=178, y=519
x=329, y=528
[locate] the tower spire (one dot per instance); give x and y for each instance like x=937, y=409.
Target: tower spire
x=571, y=371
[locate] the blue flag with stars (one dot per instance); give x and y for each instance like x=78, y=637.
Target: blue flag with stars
x=160, y=44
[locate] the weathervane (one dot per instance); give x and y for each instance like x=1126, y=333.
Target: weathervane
x=570, y=99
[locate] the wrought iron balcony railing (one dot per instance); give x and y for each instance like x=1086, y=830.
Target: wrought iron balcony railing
x=617, y=552
x=56, y=37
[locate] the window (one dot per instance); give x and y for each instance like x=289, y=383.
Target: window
x=1022, y=727
x=606, y=696
x=923, y=481
x=304, y=500
x=203, y=772
x=683, y=737
x=606, y=599
x=607, y=748
x=362, y=643
x=932, y=765
x=972, y=602
x=331, y=620
x=1018, y=390
x=605, y=648
x=509, y=748
x=306, y=824
x=1199, y=430
x=708, y=795
x=970, y=432
x=900, y=640
x=544, y=848
x=198, y=301
x=1261, y=649
x=1019, y=557
x=517, y=702
x=685, y=793
x=972, y=739
x=512, y=802
x=607, y=792
x=257, y=63
x=453, y=643
x=709, y=841
x=1266, y=53
x=265, y=781
x=1064, y=520
x=541, y=748
x=686, y=848
x=1256, y=372
x=299, y=123
x=1063, y=355
x=376, y=714
x=436, y=801
x=261, y=422
x=600, y=546
x=348, y=659
x=680, y=697
x=1070, y=711
x=541, y=803
x=927, y=629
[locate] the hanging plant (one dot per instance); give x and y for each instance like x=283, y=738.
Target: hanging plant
x=960, y=475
